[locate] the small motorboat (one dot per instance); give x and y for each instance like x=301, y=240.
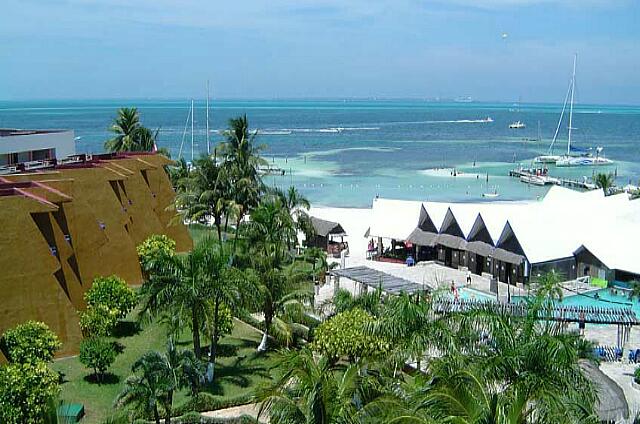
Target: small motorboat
x=517, y=125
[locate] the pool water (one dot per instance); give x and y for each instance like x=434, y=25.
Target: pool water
x=603, y=298
x=471, y=294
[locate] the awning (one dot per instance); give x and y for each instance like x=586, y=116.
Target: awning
x=480, y=248
x=423, y=238
x=453, y=242
x=377, y=279
x=506, y=256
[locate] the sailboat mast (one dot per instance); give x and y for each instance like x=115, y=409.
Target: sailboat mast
x=573, y=90
x=191, y=130
x=208, y=146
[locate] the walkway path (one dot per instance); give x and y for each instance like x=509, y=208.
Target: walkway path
x=250, y=409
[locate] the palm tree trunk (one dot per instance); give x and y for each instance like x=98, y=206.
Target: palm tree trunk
x=168, y=407
x=156, y=415
x=218, y=223
x=226, y=222
x=195, y=330
x=262, y=347
x=235, y=239
x=213, y=350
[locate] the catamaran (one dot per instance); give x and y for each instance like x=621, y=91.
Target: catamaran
x=574, y=156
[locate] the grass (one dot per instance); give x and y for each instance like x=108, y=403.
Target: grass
x=239, y=369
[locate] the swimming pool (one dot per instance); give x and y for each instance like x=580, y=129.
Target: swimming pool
x=602, y=298
x=471, y=294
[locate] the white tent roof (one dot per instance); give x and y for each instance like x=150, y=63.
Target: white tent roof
x=394, y=219
x=547, y=230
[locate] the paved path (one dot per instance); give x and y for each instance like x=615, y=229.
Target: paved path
x=237, y=411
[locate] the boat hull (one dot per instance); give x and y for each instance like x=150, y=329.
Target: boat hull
x=582, y=161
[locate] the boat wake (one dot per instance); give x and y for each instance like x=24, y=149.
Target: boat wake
x=331, y=130
x=450, y=121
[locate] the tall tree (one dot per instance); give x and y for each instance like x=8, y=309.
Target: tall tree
x=129, y=134
x=226, y=288
x=241, y=163
x=283, y=287
x=205, y=195
x=179, y=285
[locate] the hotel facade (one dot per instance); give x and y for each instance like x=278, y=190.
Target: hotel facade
x=65, y=225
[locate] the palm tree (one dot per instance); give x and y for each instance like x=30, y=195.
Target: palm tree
x=343, y=300
x=604, y=181
x=156, y=378
x=549, y=286
x=411, y=327
x=226, y=286
x=282, y=286
x=179, y=285
x=312, y=389
x=147, y=388
x=296, y=206
x=284, y=295
x=241, y=164
x=129, y=134
x=178, y=174
x=125, y=127
x=204, y=194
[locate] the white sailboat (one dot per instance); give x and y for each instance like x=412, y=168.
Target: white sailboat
x=517, y=125
x=190, y=120
x=584, y=158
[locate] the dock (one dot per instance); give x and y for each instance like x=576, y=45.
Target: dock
x=541, y=177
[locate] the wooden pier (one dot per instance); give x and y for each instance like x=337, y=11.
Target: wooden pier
x=540, y=177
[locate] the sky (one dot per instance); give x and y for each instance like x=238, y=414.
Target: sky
x=98, y=49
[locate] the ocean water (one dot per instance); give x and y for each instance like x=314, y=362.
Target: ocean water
x=344, y=153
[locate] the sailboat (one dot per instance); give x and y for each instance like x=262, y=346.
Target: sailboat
x=574, y=156
x=517, y=125
x=190, y=119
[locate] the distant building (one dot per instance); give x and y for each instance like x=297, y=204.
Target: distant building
x=65, y=225
x=24, y=146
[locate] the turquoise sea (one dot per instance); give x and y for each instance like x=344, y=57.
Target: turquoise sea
x=345, y=152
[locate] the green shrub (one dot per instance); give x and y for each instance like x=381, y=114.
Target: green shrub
x=98, y=354
x=26, y=392
x=344, y=336
x=154, y=246
x=98, y=321
x=636, y=375
x=204, y=401
x=192, y=417
x=31, y=341
x=113, y=293
x=225, y=320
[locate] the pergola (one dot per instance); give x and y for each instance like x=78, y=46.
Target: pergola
x=377, y=279
x=624, y=318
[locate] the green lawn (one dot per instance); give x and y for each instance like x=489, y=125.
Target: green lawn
x=238, y=373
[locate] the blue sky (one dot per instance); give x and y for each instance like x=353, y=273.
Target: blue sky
x=320, y=48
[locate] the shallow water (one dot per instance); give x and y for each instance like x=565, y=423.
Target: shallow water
x=343, y=153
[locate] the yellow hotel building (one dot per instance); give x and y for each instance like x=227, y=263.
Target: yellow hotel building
x=64, y=225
